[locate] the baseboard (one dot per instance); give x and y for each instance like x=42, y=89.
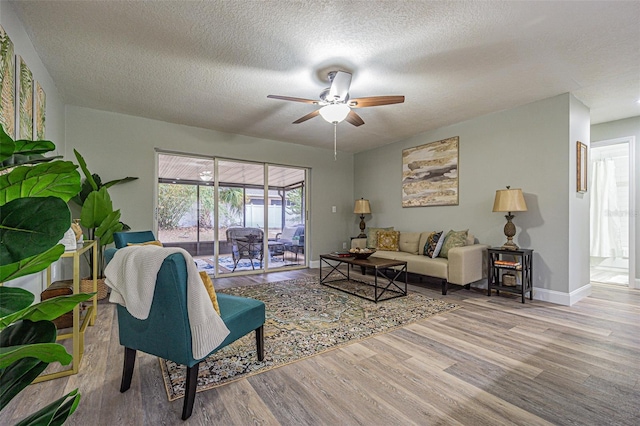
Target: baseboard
x=314, y=264
x=560, y=298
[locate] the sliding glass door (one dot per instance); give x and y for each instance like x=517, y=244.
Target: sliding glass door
x=249, y=226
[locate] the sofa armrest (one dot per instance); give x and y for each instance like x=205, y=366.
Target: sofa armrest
x=359, y=243
x=467, y=264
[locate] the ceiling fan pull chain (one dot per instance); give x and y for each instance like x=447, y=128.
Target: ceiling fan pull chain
x=335, y=143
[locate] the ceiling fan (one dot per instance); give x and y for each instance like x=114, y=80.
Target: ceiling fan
x=336, y=103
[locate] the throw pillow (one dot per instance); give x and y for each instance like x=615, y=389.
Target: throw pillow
x=433, y=245
x=388, y=240
x=208, y=284
x=409, y=242
x=372, y=236
x=453, y=239
x=147, y=243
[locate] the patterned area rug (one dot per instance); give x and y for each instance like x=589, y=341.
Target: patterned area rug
x=304, y=319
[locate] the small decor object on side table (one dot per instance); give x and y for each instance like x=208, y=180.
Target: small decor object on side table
x=503, y=267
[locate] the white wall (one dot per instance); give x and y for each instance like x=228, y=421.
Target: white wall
x=528, y=147
x=117, y=145
x=619, y=129
x=55, y=111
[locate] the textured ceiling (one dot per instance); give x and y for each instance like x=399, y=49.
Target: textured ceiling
x=212, y=64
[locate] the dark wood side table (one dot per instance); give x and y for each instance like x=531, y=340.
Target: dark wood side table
x=513, y=262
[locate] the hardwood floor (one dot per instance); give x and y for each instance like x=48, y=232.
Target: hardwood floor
x=494, y=361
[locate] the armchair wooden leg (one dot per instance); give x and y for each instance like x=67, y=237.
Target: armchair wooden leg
x=444, y=287
x=127, y=369
x=260, y=342
x=190, y=391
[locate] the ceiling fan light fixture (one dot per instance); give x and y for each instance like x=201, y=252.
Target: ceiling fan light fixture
x=335, y=113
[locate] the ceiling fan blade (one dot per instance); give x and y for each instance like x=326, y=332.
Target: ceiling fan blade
x=289, y=98
x=375, y=101
x=353, y=118
x=340, y=86
x=307, y=117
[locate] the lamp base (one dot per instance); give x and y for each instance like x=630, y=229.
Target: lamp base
x=509, y=232
x=362, y=226
x=510, y=245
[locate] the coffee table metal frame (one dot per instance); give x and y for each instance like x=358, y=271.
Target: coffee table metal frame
x=379, y=265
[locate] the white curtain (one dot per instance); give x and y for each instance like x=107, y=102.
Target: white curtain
x=605, y=216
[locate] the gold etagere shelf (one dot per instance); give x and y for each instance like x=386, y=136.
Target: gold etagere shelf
x=79, y=324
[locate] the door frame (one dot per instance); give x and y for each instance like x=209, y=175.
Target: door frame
x=630, y=140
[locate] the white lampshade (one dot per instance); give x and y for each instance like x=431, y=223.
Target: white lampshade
x=509, y=200
x=335, y=113
x=362, y=207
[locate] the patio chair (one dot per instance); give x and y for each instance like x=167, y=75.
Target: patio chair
x=246, y=243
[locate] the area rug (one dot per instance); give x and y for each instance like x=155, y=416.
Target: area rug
x=304, y=319
x=226, y=264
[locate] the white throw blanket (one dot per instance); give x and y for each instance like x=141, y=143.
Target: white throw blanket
x=132, y=276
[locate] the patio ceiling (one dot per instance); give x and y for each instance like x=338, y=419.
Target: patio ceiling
x=179, y=167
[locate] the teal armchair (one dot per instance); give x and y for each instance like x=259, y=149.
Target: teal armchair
x=166, y=332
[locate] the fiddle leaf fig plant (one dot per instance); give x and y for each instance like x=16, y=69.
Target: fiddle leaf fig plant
x=34, y=216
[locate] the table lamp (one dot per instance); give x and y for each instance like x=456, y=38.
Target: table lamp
x=509, y=200
x=362, y=207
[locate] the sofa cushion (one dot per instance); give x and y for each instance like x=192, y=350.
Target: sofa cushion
x=372, y=236
x=453, y=239
x=388, y=240
x=433, y=244
x=409, y=242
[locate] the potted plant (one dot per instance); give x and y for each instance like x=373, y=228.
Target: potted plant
x=97, y=214
x=34, y=216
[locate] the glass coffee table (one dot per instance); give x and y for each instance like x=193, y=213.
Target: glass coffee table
x=388, y=286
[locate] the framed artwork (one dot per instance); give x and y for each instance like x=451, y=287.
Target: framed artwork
x=7, y=84
x=581, y=170
x=430, y=174
x=39, y=106
x=24, y=86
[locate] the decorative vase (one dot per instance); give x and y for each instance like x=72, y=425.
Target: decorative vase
x=77, y=229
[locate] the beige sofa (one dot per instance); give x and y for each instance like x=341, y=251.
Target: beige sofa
x=463, y=266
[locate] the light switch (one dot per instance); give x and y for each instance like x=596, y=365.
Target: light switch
x=333, y=209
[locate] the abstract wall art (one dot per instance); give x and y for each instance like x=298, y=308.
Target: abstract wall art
x=24, y=85
x=7, y=84
x=430, y=174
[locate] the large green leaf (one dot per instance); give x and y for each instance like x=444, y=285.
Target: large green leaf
x=59, y=179
x=54, y=414
x=21, y=160
x=96, y=208
x=14, y=299
x=45, y=352
x=19, y=374
x=7, y=145
x=25, y=147
x=119, y=181
x=46, y=310
x=108, y=226
x=30, y=226
x=85, y=170
x=30, y=265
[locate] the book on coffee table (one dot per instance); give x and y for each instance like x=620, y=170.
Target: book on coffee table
x=341, y=253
